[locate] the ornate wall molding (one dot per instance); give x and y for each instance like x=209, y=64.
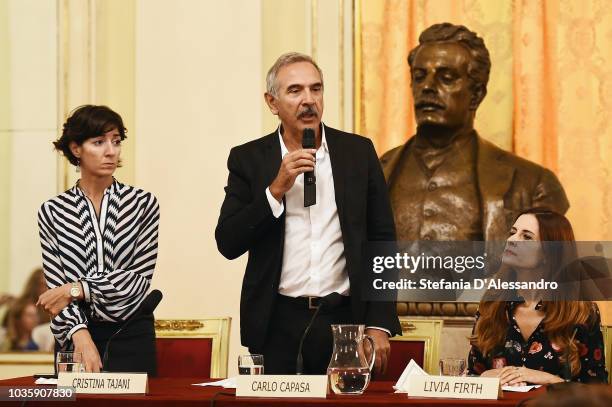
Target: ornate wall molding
x=453, y=313
x=179, y=325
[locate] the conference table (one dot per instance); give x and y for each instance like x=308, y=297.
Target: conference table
x=181, y=392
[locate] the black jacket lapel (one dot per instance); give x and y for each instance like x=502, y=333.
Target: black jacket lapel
x=272, y=157
x=272, y=164
x=339, y=165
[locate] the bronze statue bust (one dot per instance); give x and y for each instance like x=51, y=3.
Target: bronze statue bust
x=446, y=182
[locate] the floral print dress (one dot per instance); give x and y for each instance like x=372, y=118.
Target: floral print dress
x=539, y=353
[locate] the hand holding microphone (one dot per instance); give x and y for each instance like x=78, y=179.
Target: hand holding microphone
x=293, y=164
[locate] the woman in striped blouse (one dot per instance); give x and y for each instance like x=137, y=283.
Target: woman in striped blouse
x=99, y=247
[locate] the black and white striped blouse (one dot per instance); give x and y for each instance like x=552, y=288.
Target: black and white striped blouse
x=113, y=256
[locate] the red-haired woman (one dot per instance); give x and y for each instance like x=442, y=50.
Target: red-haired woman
x=535, y=341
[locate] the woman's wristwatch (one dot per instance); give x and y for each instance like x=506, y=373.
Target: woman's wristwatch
x=75, y=291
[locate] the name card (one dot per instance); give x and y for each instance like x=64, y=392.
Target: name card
x=105, y=383
x=455, y=387
x=282, y=386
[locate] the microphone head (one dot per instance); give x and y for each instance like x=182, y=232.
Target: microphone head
x=330, y=301
x=308, y=138
x=150, y=302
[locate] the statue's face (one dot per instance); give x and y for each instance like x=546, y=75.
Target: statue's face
x=441, y=86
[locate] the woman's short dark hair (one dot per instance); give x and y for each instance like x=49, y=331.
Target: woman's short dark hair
x=86, y=122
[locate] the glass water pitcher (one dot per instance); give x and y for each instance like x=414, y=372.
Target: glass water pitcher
x=349, y=371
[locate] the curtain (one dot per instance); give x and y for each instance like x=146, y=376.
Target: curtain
x=549, y=94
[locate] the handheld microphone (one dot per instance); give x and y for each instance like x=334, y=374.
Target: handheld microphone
x=310, y=181
x=147, y=307
x=330, y=301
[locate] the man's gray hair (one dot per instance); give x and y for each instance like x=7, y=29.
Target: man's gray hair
x=284, y=60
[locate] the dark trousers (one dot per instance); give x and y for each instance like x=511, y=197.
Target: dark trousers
x=288, y=322
x=132, y=350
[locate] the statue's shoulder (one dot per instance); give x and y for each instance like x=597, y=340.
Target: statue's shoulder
x=393, y=153
x=487, y=148
x=545, y=188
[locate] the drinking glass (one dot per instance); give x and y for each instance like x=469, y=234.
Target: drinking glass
x=251, y=364
x=452, y=367
x=71, y=362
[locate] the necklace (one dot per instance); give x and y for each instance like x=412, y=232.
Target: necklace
x=85, y=191
x=88, y=193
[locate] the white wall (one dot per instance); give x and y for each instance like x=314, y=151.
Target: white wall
x=28, y=129
x=198, y=90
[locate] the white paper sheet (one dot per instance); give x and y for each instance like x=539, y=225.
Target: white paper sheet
x=520, y=389
x=229, y=383
x=412, y=369
x=43, y=380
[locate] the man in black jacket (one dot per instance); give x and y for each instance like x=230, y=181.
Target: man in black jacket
x=298, y=254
